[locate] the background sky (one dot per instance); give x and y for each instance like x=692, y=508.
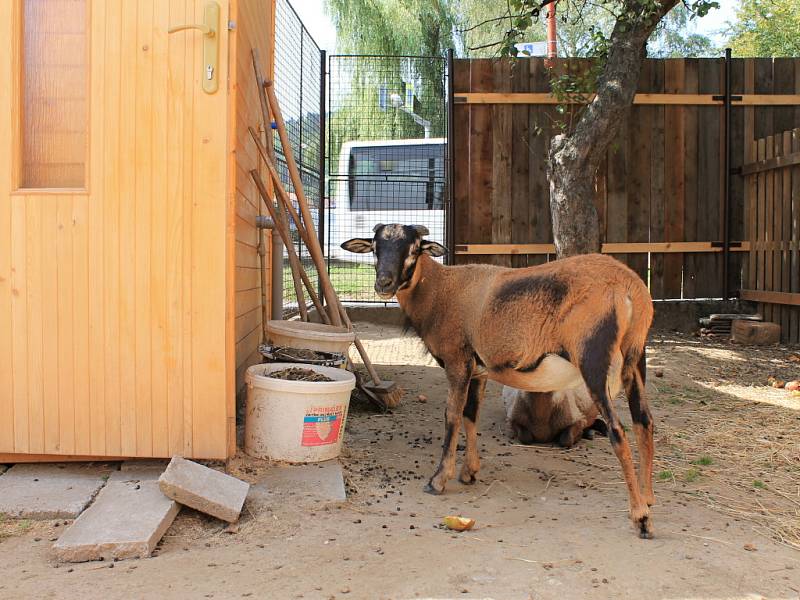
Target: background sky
x=318, y=23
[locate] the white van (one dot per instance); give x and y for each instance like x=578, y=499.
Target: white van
x=385, y=181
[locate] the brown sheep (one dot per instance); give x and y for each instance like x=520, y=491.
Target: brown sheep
x=543, y=417
x=546, y=328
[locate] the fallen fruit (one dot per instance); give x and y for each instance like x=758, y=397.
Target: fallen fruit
x=459, y=523
x=792, y=386
x=750, y=547
x=422, y=398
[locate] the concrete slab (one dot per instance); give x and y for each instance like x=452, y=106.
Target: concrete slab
x=50, y=491
x=204, y=489
x=136, y=476
x=127, y=520
x=314, y=483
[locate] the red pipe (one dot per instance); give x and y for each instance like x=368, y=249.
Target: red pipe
x=552, y=44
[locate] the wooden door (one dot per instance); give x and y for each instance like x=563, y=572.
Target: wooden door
x=113, y=232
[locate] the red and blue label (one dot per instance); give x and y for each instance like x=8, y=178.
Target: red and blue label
x=321, y=426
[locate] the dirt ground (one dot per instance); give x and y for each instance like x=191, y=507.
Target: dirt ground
x=551, y=523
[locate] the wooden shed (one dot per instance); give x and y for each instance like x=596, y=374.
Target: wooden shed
x=129, y=301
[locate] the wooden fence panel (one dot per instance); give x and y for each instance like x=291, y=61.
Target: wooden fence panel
x=662, y=179
x=773, y=196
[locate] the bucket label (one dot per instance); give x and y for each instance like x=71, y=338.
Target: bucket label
x=321, y=425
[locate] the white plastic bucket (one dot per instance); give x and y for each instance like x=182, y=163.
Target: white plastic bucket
x=309, y=336
x=296, y=421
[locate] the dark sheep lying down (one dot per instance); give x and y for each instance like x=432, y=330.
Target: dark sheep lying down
x=552, y=417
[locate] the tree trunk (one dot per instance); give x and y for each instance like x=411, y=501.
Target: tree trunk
x=575, y=157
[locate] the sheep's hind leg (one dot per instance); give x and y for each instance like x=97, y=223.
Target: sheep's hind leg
x=643, y=426
x=595, y=368
x=456, y=401
x=472, y=461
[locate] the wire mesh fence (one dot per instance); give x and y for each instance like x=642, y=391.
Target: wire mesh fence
x=386, y=157
x=298, y=86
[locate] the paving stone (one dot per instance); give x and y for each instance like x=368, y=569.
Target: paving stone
x=127, y=520
x=151, y=474
x=204, y=489
x=313, y=483
x=753, y=333
x=50, y=491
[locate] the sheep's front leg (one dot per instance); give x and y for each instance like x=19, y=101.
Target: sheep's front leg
x=472, y=460
x=456, y=401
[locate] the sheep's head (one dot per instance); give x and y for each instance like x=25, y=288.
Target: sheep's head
x=397, y=249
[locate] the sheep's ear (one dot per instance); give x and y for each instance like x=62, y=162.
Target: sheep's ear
x=378, y=226
x=421, y=230
x=358, y=245
x=433, y=248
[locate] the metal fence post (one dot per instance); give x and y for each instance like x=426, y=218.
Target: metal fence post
x=450, y=224
x=726, y=206
x=323, y=109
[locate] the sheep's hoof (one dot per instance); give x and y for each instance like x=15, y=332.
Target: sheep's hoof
x=431, y=489
x=645, y=528
x=467, y=478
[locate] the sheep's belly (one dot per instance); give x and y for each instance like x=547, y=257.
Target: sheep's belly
x=553, y=374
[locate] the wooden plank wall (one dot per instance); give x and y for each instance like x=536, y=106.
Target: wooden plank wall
x=113, y=298
x=773, y=208
x=255, y=24
x=662, y=179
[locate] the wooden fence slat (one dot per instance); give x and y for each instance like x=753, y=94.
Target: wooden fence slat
x=638, y=174
x=752, y=213
x=705, y=206
x=674, y=181
x=777, y=227
x=461, y=155
x=657, y=179
x=521, y=202
x=690, y=175
x=783, y=299
x=786, y=232
x=794, y=283
x=738, y=264
x=750, y=149
x=481, y=155
x=501, y=204
x=540, y=226
x=783, y=120
x=761, y=227
x=769, y=212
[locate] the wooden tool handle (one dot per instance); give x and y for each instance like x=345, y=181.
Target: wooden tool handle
x=313, y=242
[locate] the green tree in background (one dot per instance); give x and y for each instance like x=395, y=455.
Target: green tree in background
x=481, y=26
x=388, y=29
x=766, y=28
x=393, y=27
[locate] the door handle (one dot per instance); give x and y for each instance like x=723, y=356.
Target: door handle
x=210, y=27
x=204, y=28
